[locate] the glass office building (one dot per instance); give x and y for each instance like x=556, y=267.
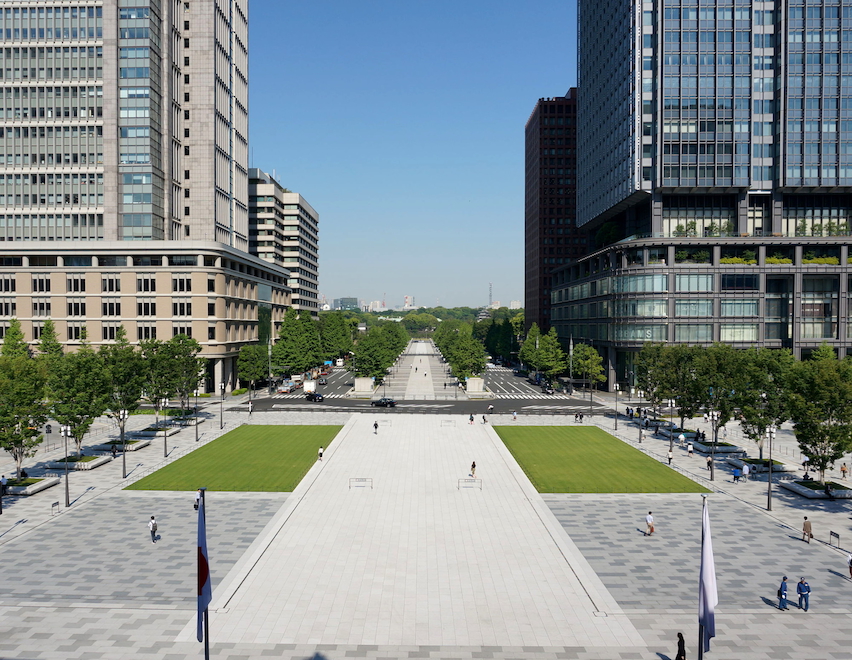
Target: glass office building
x=715, y=171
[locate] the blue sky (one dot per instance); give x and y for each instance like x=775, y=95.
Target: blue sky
x=402, y=123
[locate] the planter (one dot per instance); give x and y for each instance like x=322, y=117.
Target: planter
x=158, y=433
x=131, y=445
x=810, y=493
x=721, y=448
x=668, y=433
x=31, y=489
x=96, y=461
x=758, y=468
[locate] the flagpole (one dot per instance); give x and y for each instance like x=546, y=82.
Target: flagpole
x=700, y=620
x=206, y=609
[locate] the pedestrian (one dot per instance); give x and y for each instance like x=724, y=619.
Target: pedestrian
x=3, y=482
x=627, y=411
x=681, y=439
x=843, y=471
x=319, y=455
x=197, y=499
x=782, y=595
x=490, y=409
x=709, y=462
x=670, y=456
x=514, y=416
x=705, y=418
x=746, y=471
x=681, y=647
x=473, y=469
x=376, y=427
x=737, y=475
x=251, y=408
x=484, y=421
x=445, y=386
x=689, y=450
x=649, y=524
x=849, y=564
x=804, y=591
x=805, y=464
x=581, y=418
x=152, y=527
x=114, y=450
x=725, y=433
x=576, y=417
x=425, y=374
x=641, y=436
x=415, y=369
x=470, y=419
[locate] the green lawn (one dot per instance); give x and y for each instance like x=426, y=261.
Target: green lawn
x=250, y=458
x=570, y=459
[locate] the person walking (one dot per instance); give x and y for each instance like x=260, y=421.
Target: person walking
x=152, y=527
x=376, y=427
x=649, y=524
x=709, y=461
x=746, y=471
x=849, y=565
x=782, y=595
x=804, y=591
x=807, y=532
x=319, y=455
x=681, y=439
x=470, y=419
x=681, y=647
x=689, y=450
x=473, y=469
x=670, y=456
x=843, y=471
x=490, y=408
x=251, y=407
x=484, y=420
x=514, y=416
x=114, y=451
x=197, y=499
x=3, y=482
x=641, y=435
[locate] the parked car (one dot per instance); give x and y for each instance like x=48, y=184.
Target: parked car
x=314, y=396
x=384, y=402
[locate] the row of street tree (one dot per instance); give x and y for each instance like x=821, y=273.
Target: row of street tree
x=378, y=349
x=463, y=352
x=75, y=388
x=761, y=387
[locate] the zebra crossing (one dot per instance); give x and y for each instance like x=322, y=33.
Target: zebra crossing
x=530, y=395
x=301, y=395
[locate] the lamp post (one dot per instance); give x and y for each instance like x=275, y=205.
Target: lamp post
x=196, y=415
x=222, y=406
x=66, y=431
x=122, y=420
x=713, y=415
x=616, y=406
x=770, y=435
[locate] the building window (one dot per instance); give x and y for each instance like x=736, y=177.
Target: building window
x=211, y=333
x=146, y=331
x=8, y=307
x=146, y=307
x=211, y=285
x=146, y=283
x=76, y=284
x=7, y=283
x=181, y=307
x=693, y=307
x=111, y=283
x=181, y=330
x=41, y=283
x=38, y=329
x=76, y=306
x=694, y=283
x=111, y=307
x=41, y=306
x=181, y=283
x=740, y=307
x=694, y=332
x=731, y=332
x=739, y=282
x=75, y=331
x=109, y=331
x=211, y=308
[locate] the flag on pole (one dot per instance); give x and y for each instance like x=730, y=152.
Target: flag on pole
x=708, y=597
x=205, y=590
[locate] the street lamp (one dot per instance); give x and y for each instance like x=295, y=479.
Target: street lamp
x=196, y=415
x=122, y=420
x=66, y=431
x=713, y=416
x=616, y=406
x=770, y=435
x=222, y=407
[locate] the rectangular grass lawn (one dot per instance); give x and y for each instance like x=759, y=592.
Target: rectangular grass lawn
x=571, y=459
x=249, y=458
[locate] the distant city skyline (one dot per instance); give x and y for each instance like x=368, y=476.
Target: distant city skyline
x=405, y=130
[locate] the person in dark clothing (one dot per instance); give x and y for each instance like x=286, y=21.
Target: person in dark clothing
x=681, y=647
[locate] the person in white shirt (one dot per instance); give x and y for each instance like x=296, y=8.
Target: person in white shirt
x=649, y=524
x=319, y=454
x=746, y=470
x=670, y=456
x=152, y=527
x=197, y=499
x=682, y=439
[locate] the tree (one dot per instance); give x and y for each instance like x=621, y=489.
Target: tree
x=335, y=335
x=589, y=363
x=77, y=385
x=252, y=364
x=49, y=347
x=13, y=341
x=125, y=377
x=160, y=376
x=551, y=357
x=650, y=374
x=762, y=393
x=466, y=354
x=311, y=341
x=189, y=368
x=22, y=406
x=298, y=347
x=529, y=350
x=820, y=400
x=376, y=351
x=680, y=380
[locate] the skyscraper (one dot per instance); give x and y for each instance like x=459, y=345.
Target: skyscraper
x=551, y=238
x=715, y=172
x=125, y=148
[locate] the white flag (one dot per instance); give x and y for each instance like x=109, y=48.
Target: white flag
x=708, y=597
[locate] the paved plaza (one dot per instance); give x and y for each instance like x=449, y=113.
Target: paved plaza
x=415, y=566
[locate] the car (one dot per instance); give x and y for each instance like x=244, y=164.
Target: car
x=314, y=396
x=547, y=389
x=322, y=381
x=384, y=402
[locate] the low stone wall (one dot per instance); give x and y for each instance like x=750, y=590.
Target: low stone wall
x=132, y=445
x=80, y=465
x=815, y=494
x=161, y=433
x=40, y=485
x=784, y=467
x=707, y=449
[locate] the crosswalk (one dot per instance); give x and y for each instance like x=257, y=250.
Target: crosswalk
x=301, y=395
x=530, y=395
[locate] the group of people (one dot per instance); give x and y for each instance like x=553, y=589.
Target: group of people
x=741, y=474
x=803, y=589
x=578, y=418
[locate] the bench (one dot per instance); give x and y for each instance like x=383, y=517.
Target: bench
x=361, y=482
x=469, y=483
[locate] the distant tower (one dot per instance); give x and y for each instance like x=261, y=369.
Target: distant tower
x=489, y=296
x=384, y=306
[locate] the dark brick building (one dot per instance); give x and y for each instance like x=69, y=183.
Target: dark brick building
x=551, y=237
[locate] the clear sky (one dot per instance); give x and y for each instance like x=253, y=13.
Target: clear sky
x=402, y=123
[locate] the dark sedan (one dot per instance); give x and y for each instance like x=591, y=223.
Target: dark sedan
x=384, y=402
x=314, y=396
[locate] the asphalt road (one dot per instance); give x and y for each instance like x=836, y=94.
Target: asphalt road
x=501, y=380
